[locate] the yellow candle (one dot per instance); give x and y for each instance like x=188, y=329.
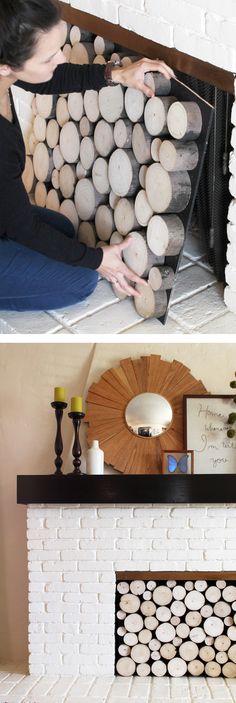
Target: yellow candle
x=59, y=395
x=76, y=404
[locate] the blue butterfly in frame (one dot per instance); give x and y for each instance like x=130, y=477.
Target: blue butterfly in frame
x=174, y=464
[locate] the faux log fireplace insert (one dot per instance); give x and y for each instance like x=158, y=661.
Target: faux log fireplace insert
x=119, y=164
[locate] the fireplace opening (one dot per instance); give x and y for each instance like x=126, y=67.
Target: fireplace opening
x=177, y=625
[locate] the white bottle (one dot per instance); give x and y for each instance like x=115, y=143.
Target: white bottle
x=95, y=459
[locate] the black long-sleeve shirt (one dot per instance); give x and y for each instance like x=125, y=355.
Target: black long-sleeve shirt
x=18, y=219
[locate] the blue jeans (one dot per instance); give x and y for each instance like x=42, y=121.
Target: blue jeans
x=33, y=281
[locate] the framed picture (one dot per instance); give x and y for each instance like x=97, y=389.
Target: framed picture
x=206, y=424
x=177, y=462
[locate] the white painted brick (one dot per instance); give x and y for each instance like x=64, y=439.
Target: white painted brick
x=178, y=13
x=40, y=555
x=78, y=512
x=59, y=544
x=150, y=512
x=74, y=555
x=95, y=565
x=112, y=534
x=184, y=533
x=221, y=30
x=214, y=534
x=139, y=523
x=172, y=565
x=205, y=49
x=147, y=26
x=140, y=556
x=108, y=543
x=210, y=565
x=131, y=565
x=62, y=522
x=106, y=597
x=60, y=566
x=112, y=554
x=42, y=512
x=209, y=522
x=134, y=544
x=170, y=544
x=119, y=512
x=42, y=533
x=77, y=532
x=36, y=607
x=89, y=522
x=169, y=522
x=205, y=544
x=34, y=566
x=100, y=8
x=81, y=578
x=62, y=587
x=151, y=533
x=193, y=554
x=35, y=577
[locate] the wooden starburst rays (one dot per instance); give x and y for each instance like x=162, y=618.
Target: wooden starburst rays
x=107, y=401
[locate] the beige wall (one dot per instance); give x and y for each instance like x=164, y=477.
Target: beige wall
x=28, y=373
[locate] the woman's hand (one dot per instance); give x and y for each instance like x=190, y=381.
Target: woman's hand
x=133, y=75
x=114, y=270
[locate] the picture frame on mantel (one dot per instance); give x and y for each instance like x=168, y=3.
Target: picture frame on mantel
x=205, y=429
x=177, y=463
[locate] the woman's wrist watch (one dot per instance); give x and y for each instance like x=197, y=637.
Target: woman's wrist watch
x=108, y=72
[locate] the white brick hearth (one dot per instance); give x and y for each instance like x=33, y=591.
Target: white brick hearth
x=73, y=555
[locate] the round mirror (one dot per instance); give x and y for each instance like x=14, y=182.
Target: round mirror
x=148, y=415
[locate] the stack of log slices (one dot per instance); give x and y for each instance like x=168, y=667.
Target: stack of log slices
x=116, y=164
x=176, y=628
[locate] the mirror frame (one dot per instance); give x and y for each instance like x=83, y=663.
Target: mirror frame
x=107, y=401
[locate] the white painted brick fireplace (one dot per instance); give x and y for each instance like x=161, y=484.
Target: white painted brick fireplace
x=73, y=555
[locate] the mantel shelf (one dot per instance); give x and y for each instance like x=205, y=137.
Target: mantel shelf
x=132, y=489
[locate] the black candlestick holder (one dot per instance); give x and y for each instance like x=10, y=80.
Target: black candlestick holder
x=59, y=407
x=76, y=418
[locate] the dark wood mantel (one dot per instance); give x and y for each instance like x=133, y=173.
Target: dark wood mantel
x=132, y=489
x=141, y=45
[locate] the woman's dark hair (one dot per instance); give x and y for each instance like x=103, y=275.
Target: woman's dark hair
x=20, y=23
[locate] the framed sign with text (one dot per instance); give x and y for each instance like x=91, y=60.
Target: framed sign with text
x=206, y=424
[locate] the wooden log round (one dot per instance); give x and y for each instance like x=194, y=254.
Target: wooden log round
x=125, y=666
x=175, y=620
x=58, y=159
x=167, y=192
x=163, y=613
x=70, y=142
x=158, y=83
x=177, y=667
x=213, y=594
x=124, y=216
x=229, y=670
x=120, y=615
x=67, y=52
x=46, y=105
x=162, y=595
x=213, y=669
x=62, y=112
x=133, y=622
x=43, y=163
x=130, y=638
x=111, y=103
x=141, y=144
x=78, y=34
x=124, y=650
x=52, y=134
x=28, y=176
x=32, y=142
x=104, y=138
x=82, y=53
x=184, y=120
x=165, y=235
x=103, y=46
x=104, y=222
x=222, y=609
x=148, y=608
x=221, y=584
x=91, y=105
x=145, y=636
x=123, y=172
x=86, y=127
x=129, y=603
x=140, y=653
x=116, y=238
x=99, y=58
x=188, y=651
x=147, y=594
x=177, y=156
x=182, y=630
x=165, y=632
x=138, y=257
x=67, y=179
x=231, y=631
x=142, y=208
x=86, y=199
x=221, y=657
x=155, y=115
x=88, y=153
x=113, y=199
x=179, y=592
x=161, y=277
x=68, y=209
x=222, y=643
x=39, y=128
x=151, y=585
x=150, y=622
x=121, y=631
x=209, y=640
x=55, y=179
x=34, y=107
x=189, y=585
x=101, y=244
x=200, y=585
x=158, y=668
x=81, y=171
x=154, y=645
x=87, y=235
x=229, y=593
x=229, y=620
x=177, y=607
x=123, y=134
x=40, y=194
x=213, y=626
x=196, y=667
x=134, y=104
x=197, y=635
x=100, y=176
x=75, y=106
x=168, y=651
x=177, y=641
x=143, y=669
x=142, y=175
x=194, y=600
x=155, y=148
x=232, y=653
x=193, y=619
x=206, y=611
x=53, y=200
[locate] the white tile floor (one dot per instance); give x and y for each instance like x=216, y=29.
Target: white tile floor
x=197, y=306
x=18, y=687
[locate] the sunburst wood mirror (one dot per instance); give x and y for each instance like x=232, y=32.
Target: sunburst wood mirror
x=107, y=403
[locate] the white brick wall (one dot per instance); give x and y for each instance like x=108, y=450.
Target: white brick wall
x=202, y=28
x=73, y=554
